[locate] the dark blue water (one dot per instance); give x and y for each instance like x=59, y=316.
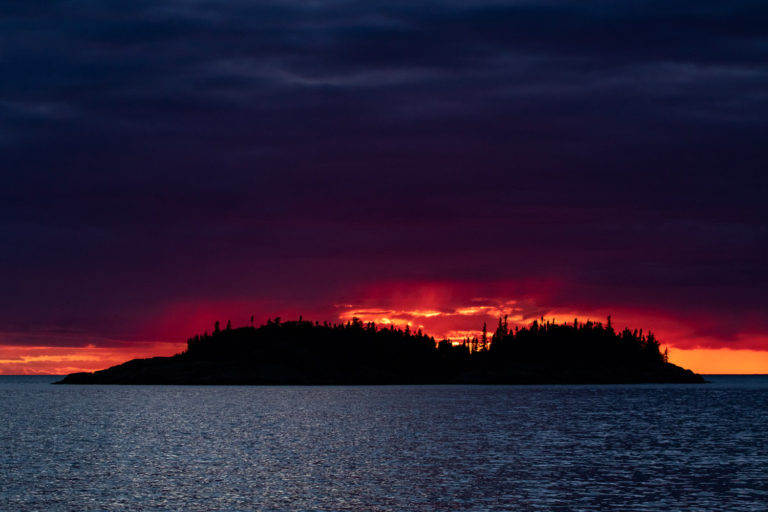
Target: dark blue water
x=399, y=448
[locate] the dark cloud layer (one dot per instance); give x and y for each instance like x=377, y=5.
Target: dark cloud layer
x=156, y=152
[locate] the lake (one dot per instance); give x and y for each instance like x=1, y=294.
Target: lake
x=385, y=448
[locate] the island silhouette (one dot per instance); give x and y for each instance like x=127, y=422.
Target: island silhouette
x=303, y=352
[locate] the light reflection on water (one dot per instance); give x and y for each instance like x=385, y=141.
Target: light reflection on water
x=642, y=447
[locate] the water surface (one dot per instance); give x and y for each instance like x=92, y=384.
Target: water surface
x=385, y=448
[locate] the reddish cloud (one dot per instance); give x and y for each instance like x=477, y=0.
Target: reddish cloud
x=453, y=310
x=443, y=310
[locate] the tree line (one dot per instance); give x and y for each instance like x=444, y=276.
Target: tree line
x=414, y=353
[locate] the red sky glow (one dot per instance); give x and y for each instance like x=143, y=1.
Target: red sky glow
x=442, y=310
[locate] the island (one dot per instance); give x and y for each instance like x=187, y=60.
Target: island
x=303, y=352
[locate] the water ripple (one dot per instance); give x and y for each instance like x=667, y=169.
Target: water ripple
x=537, y=448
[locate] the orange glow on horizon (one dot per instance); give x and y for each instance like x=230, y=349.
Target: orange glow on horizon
x=63, y=360
x=16, y=360
x=439, y=315
x=464, y=322
x=707, y=361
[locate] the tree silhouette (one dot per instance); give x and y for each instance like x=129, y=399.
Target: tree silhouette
x=357, y=353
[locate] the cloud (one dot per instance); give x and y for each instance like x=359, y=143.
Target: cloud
x=292, y=155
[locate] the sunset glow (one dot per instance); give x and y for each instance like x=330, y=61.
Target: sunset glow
x=459, y=323
x=426, y=165
x=400, y=256
x=720, y=361
x=443, y=311
x=64, y=360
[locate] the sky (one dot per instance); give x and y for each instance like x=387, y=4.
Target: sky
x=168, y=163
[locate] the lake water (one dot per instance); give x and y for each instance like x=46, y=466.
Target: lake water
x=385, y=448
